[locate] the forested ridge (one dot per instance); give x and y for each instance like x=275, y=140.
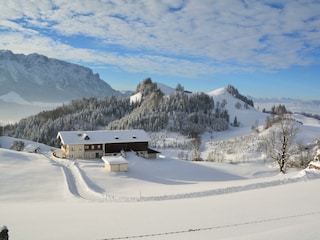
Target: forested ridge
x=189, y=114
x=83, y=114
x=234, y=92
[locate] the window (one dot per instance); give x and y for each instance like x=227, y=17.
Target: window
x=92, y=147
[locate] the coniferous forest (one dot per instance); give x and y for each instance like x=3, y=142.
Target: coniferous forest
x=188, y=114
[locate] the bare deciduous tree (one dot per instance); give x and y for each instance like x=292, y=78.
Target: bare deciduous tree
x=279, y=141
x=304, y=154
x=195, y=146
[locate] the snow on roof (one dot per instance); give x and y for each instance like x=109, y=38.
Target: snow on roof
x=114, y=160
x=106, y=136
x=31, y=148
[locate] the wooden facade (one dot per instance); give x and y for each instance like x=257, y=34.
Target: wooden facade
x=126, y=146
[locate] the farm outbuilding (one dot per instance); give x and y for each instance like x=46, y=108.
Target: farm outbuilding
x=115, y=163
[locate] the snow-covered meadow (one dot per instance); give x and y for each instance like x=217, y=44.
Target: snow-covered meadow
x=237, y=195
x=43, y=197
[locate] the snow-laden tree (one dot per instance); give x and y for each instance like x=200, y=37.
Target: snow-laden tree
x=279, y=142
x=235, y=122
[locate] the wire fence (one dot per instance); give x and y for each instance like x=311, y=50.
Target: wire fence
x=213, y=227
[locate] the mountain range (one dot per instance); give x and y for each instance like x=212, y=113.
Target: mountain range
x=37, y=78
x=32, y=83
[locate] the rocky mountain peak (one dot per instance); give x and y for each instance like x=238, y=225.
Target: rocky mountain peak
x=35, y=77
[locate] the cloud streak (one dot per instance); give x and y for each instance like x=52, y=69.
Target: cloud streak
x=182, y=38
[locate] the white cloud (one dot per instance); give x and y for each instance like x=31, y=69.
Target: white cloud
x=132, y=63
x=170, y=34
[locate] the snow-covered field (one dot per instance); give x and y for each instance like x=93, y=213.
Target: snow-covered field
x=240, y=197
x=43, y=197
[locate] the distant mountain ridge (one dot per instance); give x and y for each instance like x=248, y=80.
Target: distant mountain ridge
x=37, y=78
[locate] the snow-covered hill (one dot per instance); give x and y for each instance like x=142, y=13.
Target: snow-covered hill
x=165, y=89
x=43, y=197
x=247, y=116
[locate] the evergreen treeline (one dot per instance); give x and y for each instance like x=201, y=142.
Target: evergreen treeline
x=187, y=114
x=84, y=114
x=315, y=116
x=234, y=92
x=277, y=110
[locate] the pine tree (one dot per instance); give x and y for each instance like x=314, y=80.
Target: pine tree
x=235, y=122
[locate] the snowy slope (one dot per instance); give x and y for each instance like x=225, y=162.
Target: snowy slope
x=309, y=130
x=166, y=90
x=246, y=117
x=147, y=180
x=42, y=197
x=240, y=144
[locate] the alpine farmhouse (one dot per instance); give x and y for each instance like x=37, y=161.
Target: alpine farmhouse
x=96, y=144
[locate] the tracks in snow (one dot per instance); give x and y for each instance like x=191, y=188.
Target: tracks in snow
x=76, y=181
x=70, y=180
x=79, y=186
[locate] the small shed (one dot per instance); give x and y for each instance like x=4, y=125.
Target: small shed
x=115, y=163
x=152, y=153
x=32, y=148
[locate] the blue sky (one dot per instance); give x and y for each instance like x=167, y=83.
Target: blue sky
x=264, y=48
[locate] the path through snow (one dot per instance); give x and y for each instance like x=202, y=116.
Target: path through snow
x=79, y=185
x=75, y=180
